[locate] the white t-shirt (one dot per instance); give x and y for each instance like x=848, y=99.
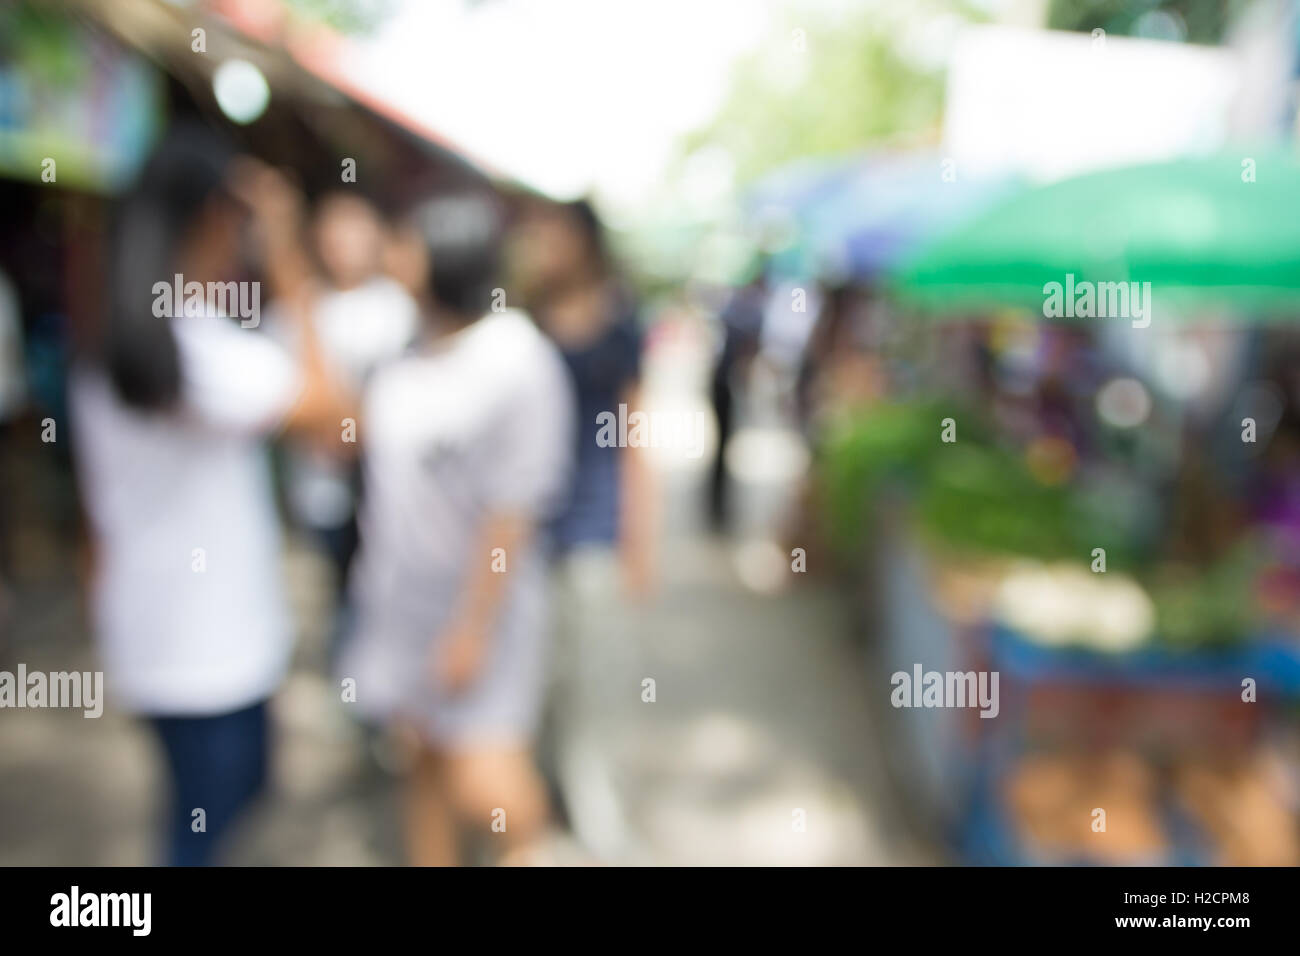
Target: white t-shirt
x=364, y=327
x=357, y=330
x=188, y=600
x=481, y=421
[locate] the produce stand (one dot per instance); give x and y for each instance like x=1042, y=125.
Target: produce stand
x=1126, y=695
x=1173, y=704
x=1099, y=505
x=1174, y=708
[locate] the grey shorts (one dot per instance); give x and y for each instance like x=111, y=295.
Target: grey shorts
x=390, y=654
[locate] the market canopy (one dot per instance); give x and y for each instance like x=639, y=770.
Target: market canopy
x=855, y=219
x=895, y=205
x=1220, y=231
x=779, y=206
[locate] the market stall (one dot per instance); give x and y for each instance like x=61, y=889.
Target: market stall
x=1094, y=504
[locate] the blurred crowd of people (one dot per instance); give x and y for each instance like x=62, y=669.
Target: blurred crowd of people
x=414, y=392
x=424, y=381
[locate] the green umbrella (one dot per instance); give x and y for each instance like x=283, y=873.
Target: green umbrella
x=1218, y=231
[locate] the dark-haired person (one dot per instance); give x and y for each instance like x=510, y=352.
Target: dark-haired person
x=604, y=534
x=590, y=315
x=741, y=321
x=468, y=441
x=361, y=319
x=170, y=417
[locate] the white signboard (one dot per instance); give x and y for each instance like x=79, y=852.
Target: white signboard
x=1051, y=104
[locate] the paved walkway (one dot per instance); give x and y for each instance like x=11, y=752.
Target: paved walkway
x=758, y=747
x=759, y=724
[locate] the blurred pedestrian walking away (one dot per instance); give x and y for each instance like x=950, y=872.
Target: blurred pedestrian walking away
x=741, y=321
x=467, y=449
x=170, y=416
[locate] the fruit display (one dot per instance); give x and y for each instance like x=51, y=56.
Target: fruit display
x=1241, y=803
x=1080, y=808
x=1116, y=808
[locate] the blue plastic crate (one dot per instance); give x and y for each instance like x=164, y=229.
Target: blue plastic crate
x=1273, y=662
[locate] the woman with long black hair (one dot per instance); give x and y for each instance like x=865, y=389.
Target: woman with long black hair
x=171, y=415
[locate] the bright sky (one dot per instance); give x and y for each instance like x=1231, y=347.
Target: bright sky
x=566, y=95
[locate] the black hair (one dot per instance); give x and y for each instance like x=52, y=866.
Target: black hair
x=149, y=227
x=463, y=236
x=584, y=216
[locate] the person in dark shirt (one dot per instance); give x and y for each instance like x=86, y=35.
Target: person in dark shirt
x=742, y=324
x=603, y=533
x=591, y=316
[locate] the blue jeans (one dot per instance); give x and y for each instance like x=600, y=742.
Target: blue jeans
x=217, y=764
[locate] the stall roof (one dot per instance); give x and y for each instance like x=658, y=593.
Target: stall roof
x=302, y=61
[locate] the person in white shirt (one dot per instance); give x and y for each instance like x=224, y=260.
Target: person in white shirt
x=362, y=320
x=466, y=451
x=170, y=417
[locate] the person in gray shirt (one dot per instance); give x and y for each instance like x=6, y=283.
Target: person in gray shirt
x=466, y=447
